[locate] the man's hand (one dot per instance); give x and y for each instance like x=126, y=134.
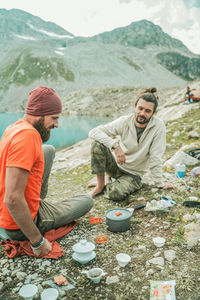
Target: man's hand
x=121, y=159
x=44, y=249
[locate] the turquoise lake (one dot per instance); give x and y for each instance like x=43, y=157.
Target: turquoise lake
x=71, y=130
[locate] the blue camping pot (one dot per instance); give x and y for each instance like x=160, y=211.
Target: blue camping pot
x=118, y=219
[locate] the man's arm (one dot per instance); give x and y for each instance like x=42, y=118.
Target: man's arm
x=16, y=180
x=156, y=153
x=106, y=134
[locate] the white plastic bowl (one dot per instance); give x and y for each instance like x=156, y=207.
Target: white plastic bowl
x=28, y=291
x=123, y=259
x=49, y=294
x=159, y=241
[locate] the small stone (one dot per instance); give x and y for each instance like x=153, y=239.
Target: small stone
x=145, y=287
x=170, y=255
x=159, y=261
x=62, y=293
x=21, y=275
x=176, y=133
x=1, y=285
x=188, y=217
x=193, y=135
x=112, y=279
x=141, y=199
x=46, y=263
x=157, y=254
x=47, y=283
x=150, y=272
x=142, y=247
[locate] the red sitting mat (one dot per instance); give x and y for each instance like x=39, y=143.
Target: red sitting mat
x=17, y=248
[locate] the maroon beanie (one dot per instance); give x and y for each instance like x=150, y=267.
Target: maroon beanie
x=43, y=101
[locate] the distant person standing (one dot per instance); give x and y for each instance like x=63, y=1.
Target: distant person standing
x=25, y=169
x=125, y=148
x=187, y=95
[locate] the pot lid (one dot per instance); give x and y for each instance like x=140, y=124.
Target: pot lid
x=118, y=214
x=83, y=246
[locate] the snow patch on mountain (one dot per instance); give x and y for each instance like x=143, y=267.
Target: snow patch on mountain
x=49, y=33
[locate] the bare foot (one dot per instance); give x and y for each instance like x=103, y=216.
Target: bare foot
x=168, y=187
x=97, y=190
x=92, y=184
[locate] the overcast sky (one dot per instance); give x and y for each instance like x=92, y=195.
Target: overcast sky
x=179, y=18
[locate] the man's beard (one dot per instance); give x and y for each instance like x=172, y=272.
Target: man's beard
x=43, y=131
x=143, y=121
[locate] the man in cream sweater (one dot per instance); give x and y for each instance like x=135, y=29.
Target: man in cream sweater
x=125, y=148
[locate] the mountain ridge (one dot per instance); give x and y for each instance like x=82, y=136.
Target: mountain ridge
x=43, y=53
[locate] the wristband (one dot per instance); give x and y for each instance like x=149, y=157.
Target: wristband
x=38, y=245
x=115, y=146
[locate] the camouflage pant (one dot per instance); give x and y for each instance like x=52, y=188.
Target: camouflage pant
x=103, y=161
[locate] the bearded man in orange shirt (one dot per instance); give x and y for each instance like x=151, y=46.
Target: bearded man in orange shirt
x=25, y=169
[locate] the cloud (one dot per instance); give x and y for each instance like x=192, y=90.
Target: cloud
x=179, y=18
x=125, y=1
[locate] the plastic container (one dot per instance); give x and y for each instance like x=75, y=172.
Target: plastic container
x=28, y=291
x=94, y=274
x=123, y=259
x=49, y=294
x=83, y=251
x=180, y=170
x=159, y=241
x=101, y=234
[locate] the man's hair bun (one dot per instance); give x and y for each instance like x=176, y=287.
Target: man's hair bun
x=150, y=90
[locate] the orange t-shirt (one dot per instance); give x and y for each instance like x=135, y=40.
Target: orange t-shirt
x=21, y=147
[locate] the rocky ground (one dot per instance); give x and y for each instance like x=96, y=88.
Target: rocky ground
x=178, y=259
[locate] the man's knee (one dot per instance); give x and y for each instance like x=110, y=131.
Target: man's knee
x=98, y=147
x=84, y=202
x=88, y=201
x=115, y=193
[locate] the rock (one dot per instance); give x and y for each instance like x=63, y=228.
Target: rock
x=192, y=234
x=154, y=190
x=157, y=254
x=188, y=217
x=193, y=135
x=159, y=261
x=112, y=279
x=150, y=272
x=62, y=293
x=197, y=217
x=170, y=255
x=176, y=133
x=21, y=275
x=47, y=283
x=46, y=263
x=141, y=199
x=1, y=285
x=142, y=247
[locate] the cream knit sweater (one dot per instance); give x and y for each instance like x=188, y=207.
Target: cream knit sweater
x=147, y=154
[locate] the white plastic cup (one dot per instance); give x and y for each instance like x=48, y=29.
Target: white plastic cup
x=49, y=294
x=159, y=242
x=95, y=274
x=28, y=291
x=123, y=259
